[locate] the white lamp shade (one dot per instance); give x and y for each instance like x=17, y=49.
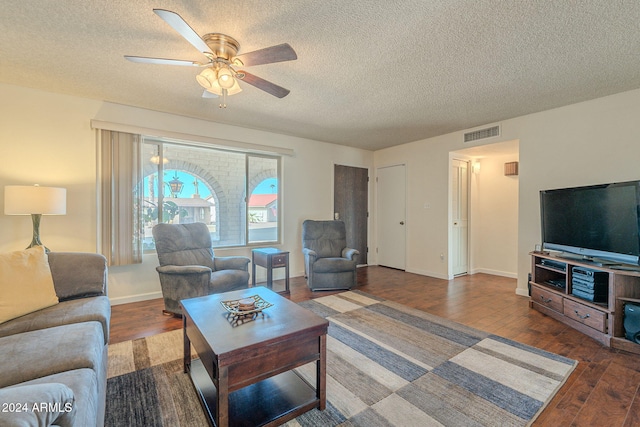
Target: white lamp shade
x=33, y=199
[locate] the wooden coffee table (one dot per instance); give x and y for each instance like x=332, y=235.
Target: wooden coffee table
x=244, y=371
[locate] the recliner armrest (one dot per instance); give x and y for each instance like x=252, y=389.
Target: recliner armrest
x=310, y=255
x=231, y=263
x=309, y=252
x=183, y=269
x=350, y=253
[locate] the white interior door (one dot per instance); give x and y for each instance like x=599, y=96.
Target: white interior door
x=460, y=217
x=391, y=212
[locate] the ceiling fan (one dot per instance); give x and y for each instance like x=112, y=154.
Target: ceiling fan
x=224, y=67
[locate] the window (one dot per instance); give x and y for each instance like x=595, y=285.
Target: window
x=185, y=183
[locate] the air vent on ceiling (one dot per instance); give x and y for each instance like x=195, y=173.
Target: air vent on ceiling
x=482, y=133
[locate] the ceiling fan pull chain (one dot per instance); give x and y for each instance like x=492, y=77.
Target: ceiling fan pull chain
x=223, y=104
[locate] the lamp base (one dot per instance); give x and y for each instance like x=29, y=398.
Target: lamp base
x=35, y=240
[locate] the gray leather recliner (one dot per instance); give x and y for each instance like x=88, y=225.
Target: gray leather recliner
x=188, y=267
x=328, y=263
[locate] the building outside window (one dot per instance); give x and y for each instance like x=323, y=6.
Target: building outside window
x=186, y=183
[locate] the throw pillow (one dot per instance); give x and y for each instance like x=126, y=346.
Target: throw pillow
x=26, y=284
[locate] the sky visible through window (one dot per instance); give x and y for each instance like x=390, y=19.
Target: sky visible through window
x=267, y=186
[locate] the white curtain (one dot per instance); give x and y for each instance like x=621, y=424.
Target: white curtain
x=120, y=188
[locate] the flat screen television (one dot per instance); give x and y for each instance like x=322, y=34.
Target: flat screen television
x=597, y=222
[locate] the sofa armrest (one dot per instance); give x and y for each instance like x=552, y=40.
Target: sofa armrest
x=183, y=269
x=231, y=263
x=350, y=253
x=38, y=405
x=78, y=274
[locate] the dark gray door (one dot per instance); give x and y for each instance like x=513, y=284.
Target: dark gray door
x=350, y=204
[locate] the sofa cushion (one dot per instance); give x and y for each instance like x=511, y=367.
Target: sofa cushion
x=37, y=405
x=228, y=280
x=83, y=383
x=26, y=284
x=36, y=354
x=78, y=274
x=67, y=312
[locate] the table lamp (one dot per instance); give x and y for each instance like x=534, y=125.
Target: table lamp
x=35, y=201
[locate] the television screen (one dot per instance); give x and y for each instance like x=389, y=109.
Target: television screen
x=599, y=221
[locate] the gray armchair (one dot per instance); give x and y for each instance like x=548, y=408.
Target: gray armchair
x=188, y=267
x=328, y=263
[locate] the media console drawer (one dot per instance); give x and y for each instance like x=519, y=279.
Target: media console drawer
x=589, y=316
x=547, y=298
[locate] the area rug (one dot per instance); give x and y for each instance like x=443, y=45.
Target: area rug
x=387, y=365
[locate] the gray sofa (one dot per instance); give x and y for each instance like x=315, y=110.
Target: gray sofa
x=328, y=262
x=53, y=362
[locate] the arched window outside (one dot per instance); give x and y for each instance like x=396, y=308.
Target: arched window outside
x=186, y=184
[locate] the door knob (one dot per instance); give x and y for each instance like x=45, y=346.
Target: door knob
x=401, y=222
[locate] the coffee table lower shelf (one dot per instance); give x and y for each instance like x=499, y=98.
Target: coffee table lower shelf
x=269, y=402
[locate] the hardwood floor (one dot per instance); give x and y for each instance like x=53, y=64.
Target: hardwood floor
x=602, y=391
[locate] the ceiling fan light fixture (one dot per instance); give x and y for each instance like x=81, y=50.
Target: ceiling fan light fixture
x=235, y=88
x=207, y=78
x=216, y=89
x=225, y=78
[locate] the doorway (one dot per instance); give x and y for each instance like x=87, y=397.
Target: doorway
x=492, y=206
x=391, y=213
x=350, y=204
x=459, y=217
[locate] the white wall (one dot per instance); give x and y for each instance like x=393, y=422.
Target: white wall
x=494, y=218
x=47, y=139
x=586, y=143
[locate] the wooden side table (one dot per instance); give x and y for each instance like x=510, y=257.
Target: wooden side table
x=270, y=258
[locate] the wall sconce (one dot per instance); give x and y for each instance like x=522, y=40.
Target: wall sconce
x=35, y=201
x=156, y=160
x=511, y=169
x=475, y=168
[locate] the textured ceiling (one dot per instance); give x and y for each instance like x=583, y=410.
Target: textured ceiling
x=369, y=74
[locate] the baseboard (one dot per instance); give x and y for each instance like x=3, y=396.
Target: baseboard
x=522, y=292
x=135, y=298
x=427, y=273
x=495, y=272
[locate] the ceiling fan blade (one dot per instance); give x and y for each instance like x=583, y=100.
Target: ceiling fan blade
x=162, y=61
x=268, y=55
x=177, y=23
x=207, y=94
x=260, y=83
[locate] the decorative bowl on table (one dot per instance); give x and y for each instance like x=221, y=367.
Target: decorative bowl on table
x=246, y=306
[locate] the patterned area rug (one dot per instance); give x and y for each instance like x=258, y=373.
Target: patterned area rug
x=387, y=365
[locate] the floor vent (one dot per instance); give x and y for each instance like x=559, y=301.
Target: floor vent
x=482, y=134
